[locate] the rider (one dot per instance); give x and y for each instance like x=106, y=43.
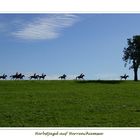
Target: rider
x=16, y=73
x=81, y=74
x=34, y=74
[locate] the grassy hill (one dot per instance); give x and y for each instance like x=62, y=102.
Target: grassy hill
x=69, y=103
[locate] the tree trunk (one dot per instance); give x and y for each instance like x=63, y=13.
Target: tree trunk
x=135, y=74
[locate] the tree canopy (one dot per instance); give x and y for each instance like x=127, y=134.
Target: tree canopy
x=132, y=54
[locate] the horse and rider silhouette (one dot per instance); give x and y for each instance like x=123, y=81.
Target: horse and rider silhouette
x=124, y=76
x=17, y=76
x=42, y=76
x=63, y=77
x=80, y=76
x=35, y=76
x=3, y=76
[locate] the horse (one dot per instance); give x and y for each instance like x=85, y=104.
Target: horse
x=13, y=76
x=80, y=76
x=63, y=77
x=3, y=76
x=34, y=76
x=17, y=76
x=42, y=76
x=124, y=76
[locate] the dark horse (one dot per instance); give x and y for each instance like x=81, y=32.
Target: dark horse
x=3, y=76
x=17, y=76
x=63, y=76
x=124, y=77
x=42, y=76
x=34, y=76
x=80, y=76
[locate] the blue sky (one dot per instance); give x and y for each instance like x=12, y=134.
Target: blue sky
x=66, y=43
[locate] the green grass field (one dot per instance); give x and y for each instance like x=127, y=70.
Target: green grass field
x=69, y=103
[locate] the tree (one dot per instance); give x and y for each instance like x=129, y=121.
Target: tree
x=132, y=54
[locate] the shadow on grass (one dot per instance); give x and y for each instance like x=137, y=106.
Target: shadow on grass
x=100, y=81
